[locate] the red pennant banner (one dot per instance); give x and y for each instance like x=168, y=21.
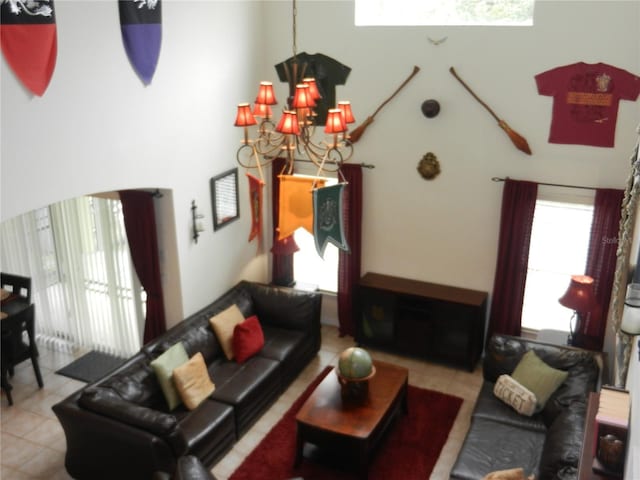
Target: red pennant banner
x=29, y=41
x=255, y=199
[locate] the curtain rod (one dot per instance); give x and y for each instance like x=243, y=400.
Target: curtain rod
x=498, y=179
x=330, y=162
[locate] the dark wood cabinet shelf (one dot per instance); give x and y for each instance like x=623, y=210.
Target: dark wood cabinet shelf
x=422, y=319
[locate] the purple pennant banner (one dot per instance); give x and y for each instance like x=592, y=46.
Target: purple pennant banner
x=141, y=25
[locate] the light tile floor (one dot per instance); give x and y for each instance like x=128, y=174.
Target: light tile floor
x=33, y=444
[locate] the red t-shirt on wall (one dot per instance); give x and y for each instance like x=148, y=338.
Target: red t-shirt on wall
x=585, y=101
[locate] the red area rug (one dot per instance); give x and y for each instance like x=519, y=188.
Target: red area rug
x=409, y=450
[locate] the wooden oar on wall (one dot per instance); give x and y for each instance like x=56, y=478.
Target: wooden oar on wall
x=518, y=140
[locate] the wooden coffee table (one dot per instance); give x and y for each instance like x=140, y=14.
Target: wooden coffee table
x=326, y=419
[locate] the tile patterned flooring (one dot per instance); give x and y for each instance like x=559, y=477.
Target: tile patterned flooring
x=33, y=444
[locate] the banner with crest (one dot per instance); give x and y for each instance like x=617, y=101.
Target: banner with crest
x=29, y=41
x=296, y=204
x=255, y=200
x=328, y=224
x=141, y=26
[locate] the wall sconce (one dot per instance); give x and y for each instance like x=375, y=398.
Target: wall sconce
x=630, y=323
x=198, y=224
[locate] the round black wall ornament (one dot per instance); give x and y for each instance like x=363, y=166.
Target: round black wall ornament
x=429, y=167
x=430, y=108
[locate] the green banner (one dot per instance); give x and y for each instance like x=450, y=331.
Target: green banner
x=328, y=225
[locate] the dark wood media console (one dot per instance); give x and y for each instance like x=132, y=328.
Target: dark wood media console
x=427, y=320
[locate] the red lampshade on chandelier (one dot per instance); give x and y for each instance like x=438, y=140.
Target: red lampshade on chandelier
x=293, y=135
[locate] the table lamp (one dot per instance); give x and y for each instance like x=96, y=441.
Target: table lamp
x=580, y=297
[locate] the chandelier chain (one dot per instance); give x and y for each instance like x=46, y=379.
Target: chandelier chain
x=295, y=30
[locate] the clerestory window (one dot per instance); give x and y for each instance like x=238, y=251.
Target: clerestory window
x=439, y=12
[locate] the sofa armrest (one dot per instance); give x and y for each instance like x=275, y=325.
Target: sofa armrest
x=106, y=402
x=100, y=447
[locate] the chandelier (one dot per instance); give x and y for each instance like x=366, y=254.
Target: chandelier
x=294, y=135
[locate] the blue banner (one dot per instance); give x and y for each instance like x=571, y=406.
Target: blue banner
x=141, y=26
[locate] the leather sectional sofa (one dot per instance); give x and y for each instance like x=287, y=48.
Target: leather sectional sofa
x=120, y=426
x=548, y=443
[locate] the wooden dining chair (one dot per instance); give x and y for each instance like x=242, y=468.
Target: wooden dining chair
x=16, y=348
x=16, y=284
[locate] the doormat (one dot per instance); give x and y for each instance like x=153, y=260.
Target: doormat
x=91, y=366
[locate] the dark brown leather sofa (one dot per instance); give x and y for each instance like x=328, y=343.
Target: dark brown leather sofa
x=120, y=427
x=549, y=443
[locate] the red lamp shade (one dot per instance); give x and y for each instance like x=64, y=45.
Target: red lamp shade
x=313, y=87
x=244, y=117
x=265, y=94
x=262, y=110
x=335, y=121
x=345, y=108
x=302, y=97
x=580, y=295
x=288, y=123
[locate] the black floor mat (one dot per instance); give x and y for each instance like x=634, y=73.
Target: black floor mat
x=91, y=366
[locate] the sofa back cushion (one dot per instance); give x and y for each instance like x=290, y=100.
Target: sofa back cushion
x=195, y=331
x=504, y=352
x=137, y=384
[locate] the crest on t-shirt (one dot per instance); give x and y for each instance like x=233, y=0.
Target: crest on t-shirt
x=602, y=82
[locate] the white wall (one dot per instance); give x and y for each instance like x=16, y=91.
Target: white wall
x=98, y=128
x=445, y=230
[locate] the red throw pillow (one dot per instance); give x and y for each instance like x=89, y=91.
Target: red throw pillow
x=248, y=339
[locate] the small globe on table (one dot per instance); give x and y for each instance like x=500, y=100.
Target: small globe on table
x=355, y=369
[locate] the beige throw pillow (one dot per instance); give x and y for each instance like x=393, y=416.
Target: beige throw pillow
x=223, y=325
x=521, y=399
x=193, y=382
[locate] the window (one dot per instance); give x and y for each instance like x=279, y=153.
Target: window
x=309, y=268
x=438, y=12
x=84, y=285
x=559, y=248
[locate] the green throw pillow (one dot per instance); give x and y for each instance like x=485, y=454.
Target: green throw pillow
x=163, y=367
x=538, y=377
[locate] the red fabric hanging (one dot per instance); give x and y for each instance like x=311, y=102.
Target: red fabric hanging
x=601, y=264
x=255, y=201
x=140, y=224
x=518, y=207
x=282, y=250
x=349, y=262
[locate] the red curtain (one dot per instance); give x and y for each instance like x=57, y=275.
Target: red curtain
x=282, y=250
x=349, y=262
x=518, y=207
x=601, y=264
x=140, y=224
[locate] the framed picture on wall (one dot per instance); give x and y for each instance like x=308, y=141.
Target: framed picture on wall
x=224, y=198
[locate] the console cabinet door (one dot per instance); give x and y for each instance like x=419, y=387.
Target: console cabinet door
x=376, y=325
x=421, y=319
